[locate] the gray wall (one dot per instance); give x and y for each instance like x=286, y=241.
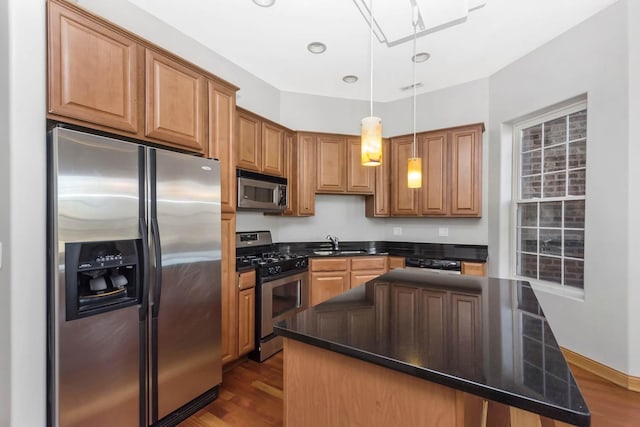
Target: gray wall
x=23, y=218
x=633, y=17
x=5, y=289
x=590, y=58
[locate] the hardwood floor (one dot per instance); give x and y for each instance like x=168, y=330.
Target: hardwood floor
x=251, y=396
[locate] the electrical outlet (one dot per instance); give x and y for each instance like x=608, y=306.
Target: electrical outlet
x=443, y=231
x=397, y=231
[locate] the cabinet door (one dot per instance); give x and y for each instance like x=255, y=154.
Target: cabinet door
x=331, y=170
x=175, y=103
x=360, y=277
x=246, y=320
x=289, y=172
x=222, y=107
x=466, y=171
x=434, y=324
x=249, y=151
x=466, y=334
x=272, y=149
x=404, y=200
x=360, y=179
x=93, y=71
x=229, y=345
x=433, y=195
x=396, y=262
x=378, y=204
x=306, y=174
x=327, y=284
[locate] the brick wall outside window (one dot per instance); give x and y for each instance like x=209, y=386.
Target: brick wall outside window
x=550, y=197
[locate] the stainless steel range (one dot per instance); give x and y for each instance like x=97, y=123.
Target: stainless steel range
x=282, y=286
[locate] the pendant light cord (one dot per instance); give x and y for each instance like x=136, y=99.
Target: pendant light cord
x=371, y=58
x=413, y=59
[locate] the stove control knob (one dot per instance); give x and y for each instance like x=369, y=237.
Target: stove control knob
x=278, y=268
x=272, y=270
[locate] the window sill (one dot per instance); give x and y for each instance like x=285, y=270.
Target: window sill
x=570, y=292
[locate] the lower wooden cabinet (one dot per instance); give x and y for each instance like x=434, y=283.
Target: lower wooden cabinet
x=396, y=262
x=332, y=276
x=246, y=312
x=229, y=293
x=474, y=268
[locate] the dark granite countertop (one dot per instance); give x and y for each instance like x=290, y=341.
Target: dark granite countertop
x=456, y=252
x=484, y=336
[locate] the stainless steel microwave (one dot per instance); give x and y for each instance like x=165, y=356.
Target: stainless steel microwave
x=261, y=192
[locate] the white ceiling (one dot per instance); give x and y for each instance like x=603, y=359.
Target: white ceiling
x=271, y=42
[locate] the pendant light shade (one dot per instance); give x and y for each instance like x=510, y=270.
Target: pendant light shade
x=414, y=164
x=414, y=172
x=371, y=137
x=371, y=127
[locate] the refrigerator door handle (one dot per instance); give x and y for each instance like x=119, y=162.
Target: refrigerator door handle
x=144, y=307
x=157, y=248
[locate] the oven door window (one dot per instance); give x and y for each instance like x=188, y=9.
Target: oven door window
x=285, y=298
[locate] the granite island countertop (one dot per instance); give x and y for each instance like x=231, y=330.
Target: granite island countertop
x=484, y=336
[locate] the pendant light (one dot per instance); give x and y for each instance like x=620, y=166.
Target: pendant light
x=414, y=164
x=371, y=127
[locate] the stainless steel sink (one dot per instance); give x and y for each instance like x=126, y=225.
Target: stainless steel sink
x=345, y=252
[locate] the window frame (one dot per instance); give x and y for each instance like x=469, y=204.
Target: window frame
x=517, y=128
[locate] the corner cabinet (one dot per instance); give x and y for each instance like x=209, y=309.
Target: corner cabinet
x=93, y=71
x=261, y=144
x=360, y=179
x=452, y=173
x=303, y=166
x=378, y=205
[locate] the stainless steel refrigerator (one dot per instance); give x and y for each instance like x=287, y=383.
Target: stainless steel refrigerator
x=134, y=282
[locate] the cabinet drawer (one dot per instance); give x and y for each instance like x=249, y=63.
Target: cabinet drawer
x=328, y=264
x=474, y=268
x=369, y=263
x=396, y=262
x=360, y=277
x=247, y=280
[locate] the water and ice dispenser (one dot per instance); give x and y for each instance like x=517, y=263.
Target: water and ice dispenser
x=102, y=276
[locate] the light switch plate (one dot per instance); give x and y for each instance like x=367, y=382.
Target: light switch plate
x=397, y=231
x=443, y=231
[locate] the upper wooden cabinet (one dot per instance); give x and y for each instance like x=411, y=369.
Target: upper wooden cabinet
x=451, y=178
x=93, y=71
x=272, y=149
x=175, y=102
x=404, y=200
x=360, y=179
x=303, y=166
x=331, y=171
x=338, y=167
x=260, y=144
x=222, y=108
x=102, y=77
x=466, y=171
x=379, y=204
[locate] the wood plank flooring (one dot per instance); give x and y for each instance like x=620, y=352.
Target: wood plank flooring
x=251, y=396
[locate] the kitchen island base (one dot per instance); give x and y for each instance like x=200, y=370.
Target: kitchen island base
x=324, y=388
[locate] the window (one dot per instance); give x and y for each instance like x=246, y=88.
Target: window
x=550, y=196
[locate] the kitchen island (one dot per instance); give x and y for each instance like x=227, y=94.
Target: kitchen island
x=414, y=347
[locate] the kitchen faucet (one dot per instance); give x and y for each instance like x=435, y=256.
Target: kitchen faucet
x=334, y=242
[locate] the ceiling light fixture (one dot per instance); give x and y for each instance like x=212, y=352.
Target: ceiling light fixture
x=420, y=56
x=414, y=164
x=371, y=127
x=316, y=47
x=264, y=3
x=350, y=78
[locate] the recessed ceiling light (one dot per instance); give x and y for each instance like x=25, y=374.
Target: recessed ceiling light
x=420, y=57
x=350, y=78
x=316, y=47
x=264, y=3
